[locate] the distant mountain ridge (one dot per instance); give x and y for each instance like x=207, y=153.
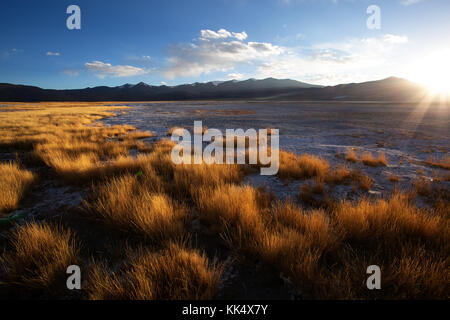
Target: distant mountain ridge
x=390, y=89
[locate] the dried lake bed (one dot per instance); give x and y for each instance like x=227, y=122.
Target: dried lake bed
x=408, y=135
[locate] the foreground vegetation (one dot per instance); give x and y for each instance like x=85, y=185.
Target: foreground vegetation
x=137, y=233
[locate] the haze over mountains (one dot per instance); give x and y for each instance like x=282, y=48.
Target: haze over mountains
x=390, y=89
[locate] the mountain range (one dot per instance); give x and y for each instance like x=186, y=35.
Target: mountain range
x=390, y=89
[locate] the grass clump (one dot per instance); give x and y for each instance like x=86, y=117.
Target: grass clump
x=393, y=178
x=346, y=176
x=135, y=204
x=304, y=166
x=443, y=163
x=369, y=160
x=39, y=257
x=14, y=182
x=176, y=273
x=189, y=179
x=393, y=221
x=351, y=155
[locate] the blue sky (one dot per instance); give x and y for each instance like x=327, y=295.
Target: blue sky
x=173, y=42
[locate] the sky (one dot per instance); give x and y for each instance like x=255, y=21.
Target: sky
x=172, y=42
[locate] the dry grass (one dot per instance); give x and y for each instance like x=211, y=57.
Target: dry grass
x=288, y=238
x=314, y=195
x=40, y=256
x=175, y=273
x=233, y=209
x=134, y=204
x=389, y=222
x=301, y=167
x=423, y=187
x=351, y=155
x=14, y=182
x=87, y=157
x=433, y=191
x=189, y=179
x=369, y=160
x=340, y=175
x=443, y=163
x=326, y=255
x=296, y=242
x=363, y=181
x=66, y=138
x=410, y=245
x=137, y=135
x=393, y=178
x=344, y=175
x=323, y=252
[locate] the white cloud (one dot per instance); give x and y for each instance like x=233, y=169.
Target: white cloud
x=216, y=51
x=351, y=60
x=103, y=70
x=222, y=34
x=49, y=53
x=410, y=2
x=235, y=76
x=395, y=39
x=357, y=59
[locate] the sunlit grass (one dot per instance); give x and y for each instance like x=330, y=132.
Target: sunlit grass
x=443, y=163
x=369, y=160
x=176, y=273
x=14, y=182
x=322, y=245
x=292, y=166
x=136, y=205
x=39, y=257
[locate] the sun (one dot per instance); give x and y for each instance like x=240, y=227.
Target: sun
x=433, y=71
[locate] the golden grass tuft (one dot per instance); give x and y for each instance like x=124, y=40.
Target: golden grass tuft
x=189, y=179
x=351, y=155
x=231, y=208
x=363, y=181
x=344, y=175
x=136, y=204
x=287, y=238
x=423, y=187
x=40, y=256
x=443, y=163
x=176, y=273
x=340, y=175
x=14, y=182
x=296, y=242
x=136, y=135
x=388, y=221
x=393, y=178
x=369, y=160
x=301, y=167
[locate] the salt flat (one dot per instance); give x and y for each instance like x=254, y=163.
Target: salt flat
x=409, y=135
